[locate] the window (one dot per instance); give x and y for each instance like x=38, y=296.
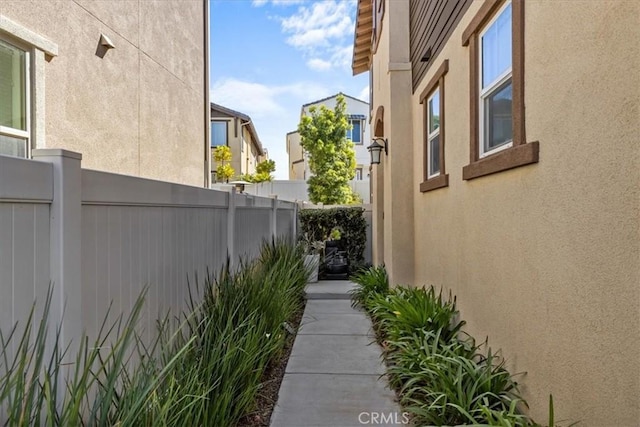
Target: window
x=495, y=38
x=14, y=100
x=218, y=133
x=496, y=94
x=433, y=99
x=358, y=174
x=433, y=135
x=355, y=132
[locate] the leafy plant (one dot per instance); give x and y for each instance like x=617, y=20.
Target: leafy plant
x=369, y=282
x=332, y=159
x=318, y=223
x=222, y=156
x=264, y=171
x=406, y=310
x=203, y=367
x=441, y=375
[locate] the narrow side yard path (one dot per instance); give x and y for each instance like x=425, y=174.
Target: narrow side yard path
x=333, y=375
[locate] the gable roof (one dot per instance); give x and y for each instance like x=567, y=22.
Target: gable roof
x=228, y=112
x=333, y=96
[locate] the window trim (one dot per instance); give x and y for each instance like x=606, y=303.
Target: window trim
x=492, y=87
x=350, y=131
x=359, y=169
x=436, y=83
x=226, y=122
x=432, y=135
x=520, y=153
x=39, y=50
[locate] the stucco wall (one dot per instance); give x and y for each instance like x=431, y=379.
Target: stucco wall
x=140, y=109
x=393, y=205
x=545, y=259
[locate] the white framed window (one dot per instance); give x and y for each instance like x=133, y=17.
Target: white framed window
x=354, y=133
x=15, y=100
x=496, y=88
x=433, y=136
x=358, y=174
x=219, y=133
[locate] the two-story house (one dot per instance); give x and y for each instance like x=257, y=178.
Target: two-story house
x=236, y=130
x=357, y=113
x=124, y=83
x=512, y=178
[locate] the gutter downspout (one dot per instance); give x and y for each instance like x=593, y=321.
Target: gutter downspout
x=207, y=103
x=242, y=142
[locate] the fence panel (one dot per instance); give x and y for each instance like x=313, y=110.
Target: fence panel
x=130, y=233
x=252, y=228
x=284, y=228
x=25, y=198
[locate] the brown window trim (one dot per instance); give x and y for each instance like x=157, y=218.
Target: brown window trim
x=436, y=82
x=520, y=153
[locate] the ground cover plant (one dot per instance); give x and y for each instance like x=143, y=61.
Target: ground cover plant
x=442, y=376
x=203, y=368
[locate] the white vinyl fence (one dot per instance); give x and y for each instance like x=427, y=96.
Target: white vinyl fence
x=99, y=238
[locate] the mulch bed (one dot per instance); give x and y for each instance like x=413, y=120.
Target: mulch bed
x=270, y=383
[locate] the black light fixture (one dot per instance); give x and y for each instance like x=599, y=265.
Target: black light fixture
x=376, y=150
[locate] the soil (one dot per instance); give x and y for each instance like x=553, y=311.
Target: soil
x=270, y=383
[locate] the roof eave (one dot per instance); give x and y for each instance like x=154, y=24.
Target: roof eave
x=362, y=37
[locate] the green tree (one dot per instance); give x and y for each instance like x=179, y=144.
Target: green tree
x=222, y=156
x=332, y=159
x=263, y=172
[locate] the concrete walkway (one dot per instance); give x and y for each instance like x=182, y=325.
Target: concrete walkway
x=333, y=375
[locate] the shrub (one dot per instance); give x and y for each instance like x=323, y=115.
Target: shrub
x=318, y=223
x=404, y=311
x=441, y=375
x=371, y=281
x=203, y=368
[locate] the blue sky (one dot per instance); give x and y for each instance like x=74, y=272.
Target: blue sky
x=268, y=57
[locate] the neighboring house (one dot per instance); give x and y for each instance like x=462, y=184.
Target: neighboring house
x=529, y=215
x=297, y=161
x=236, y=130
x=357, y=112
x=124, y=83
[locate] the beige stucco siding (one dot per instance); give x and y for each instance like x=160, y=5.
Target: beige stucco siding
x=140, y=109
x=545, y=259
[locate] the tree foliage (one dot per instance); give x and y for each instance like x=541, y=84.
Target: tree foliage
x=332, y=158
x=263, y=172
x=222, y=156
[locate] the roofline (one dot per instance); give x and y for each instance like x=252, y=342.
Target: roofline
x=362, y=34
x=334, y=96
x=229, y=111
x=292, y=132
x=245, y=118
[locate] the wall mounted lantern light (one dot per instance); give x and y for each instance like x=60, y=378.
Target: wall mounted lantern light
x=375, y=150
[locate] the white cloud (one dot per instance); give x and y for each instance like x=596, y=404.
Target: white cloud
x=318, y=64
x=274, y=110
x=364, y=94
x=258, y=3
x=316, y=25
x=323, y=31
x=341, y=56
x=260, y=100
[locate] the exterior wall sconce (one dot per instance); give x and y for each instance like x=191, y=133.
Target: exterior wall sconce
x=375, y=150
